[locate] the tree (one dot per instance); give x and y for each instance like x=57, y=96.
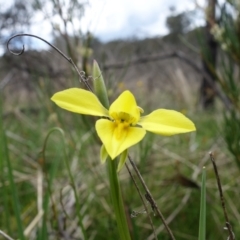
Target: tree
x=178, y=24
x=14, y=18
x=209, y=57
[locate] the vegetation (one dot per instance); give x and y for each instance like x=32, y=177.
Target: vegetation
x=52, y=184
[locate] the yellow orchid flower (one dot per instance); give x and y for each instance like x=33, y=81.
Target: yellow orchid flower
x=122, y=125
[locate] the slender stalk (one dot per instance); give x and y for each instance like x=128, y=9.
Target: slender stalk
x=117, y=201
x=81, y=74
x=228, y=225
x=142, y=199
x=5, y=235
x=150, y=198
x=202, y=218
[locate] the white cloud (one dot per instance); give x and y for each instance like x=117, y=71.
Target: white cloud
x=108, y=19
x=113, y=19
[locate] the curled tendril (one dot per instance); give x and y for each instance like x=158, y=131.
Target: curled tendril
x=14, y=53
x=81, y=74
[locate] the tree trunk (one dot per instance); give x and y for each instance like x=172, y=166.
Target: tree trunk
x=209, y=58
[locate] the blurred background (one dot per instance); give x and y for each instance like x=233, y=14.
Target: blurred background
x=181, y=55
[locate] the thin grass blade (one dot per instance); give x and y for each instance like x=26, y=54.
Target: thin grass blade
x=202, y=219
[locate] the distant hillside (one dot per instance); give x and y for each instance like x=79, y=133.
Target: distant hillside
x=161, y=75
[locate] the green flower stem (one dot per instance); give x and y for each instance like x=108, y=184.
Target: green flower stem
x=101, y=93
x=117, y=201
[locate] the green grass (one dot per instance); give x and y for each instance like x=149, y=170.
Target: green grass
x=31, y=181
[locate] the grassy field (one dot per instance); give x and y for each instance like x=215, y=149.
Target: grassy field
x=44, y=148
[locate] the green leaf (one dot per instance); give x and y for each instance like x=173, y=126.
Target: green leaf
x=103, y=154
x=99, y=85
x=122, y=160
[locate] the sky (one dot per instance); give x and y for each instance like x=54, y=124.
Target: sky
x=120, y=19
x=109, y=19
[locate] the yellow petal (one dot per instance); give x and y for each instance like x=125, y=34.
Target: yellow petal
x=79, y=101
x=167, y=122
x=115, y=143
x=125, y=103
